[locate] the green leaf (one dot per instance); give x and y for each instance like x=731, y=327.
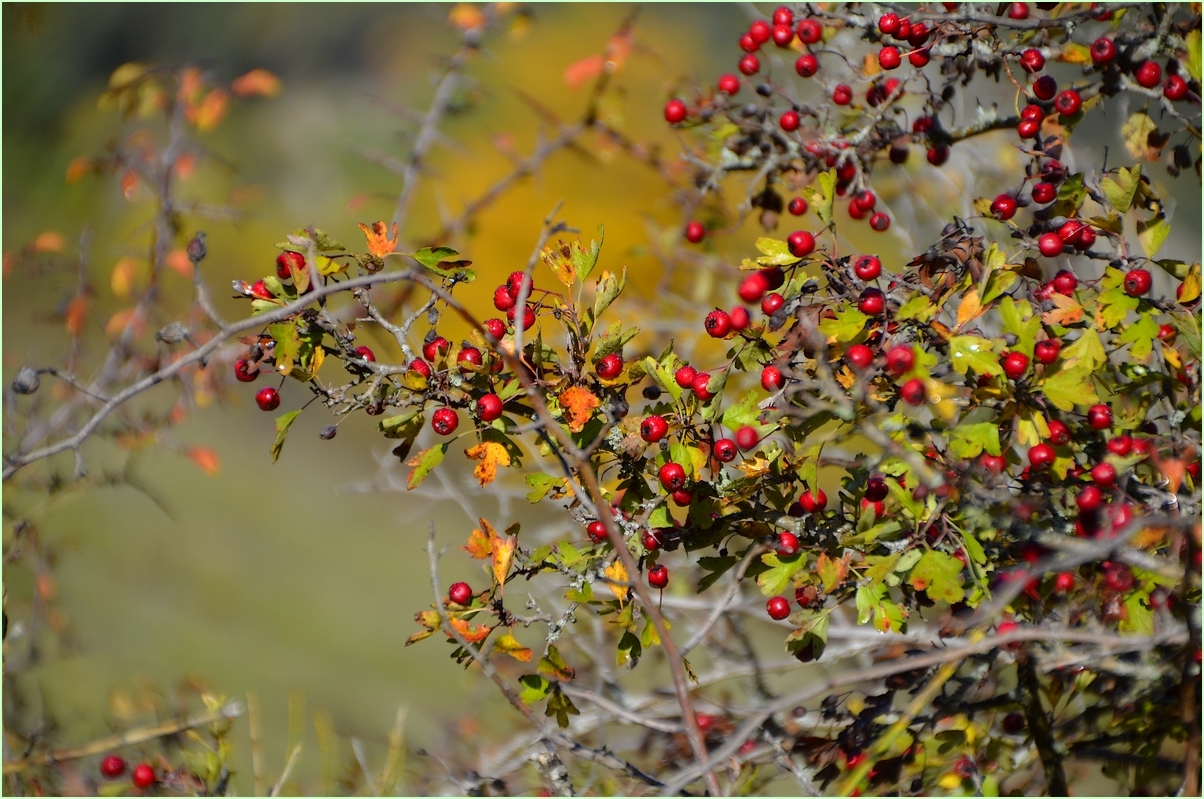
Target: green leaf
x=999, y=282
x=1193, y=53
x=584, y=262
x=662, y=376
x=847, y=325
x=560, y=706
x=283, y=423
x=1071, y=195
x=808, y=470
x=1070, y=387
x=606, y=290
x=425, y=461
x=1088, y=351
x=716, y=568
x=1114, y=306
x=812, y=634
x=820, y=199
x=873, y=603
x=744, y=414
x=774, y=580
x=534, y=688
x=580, y=595
x=568, y=555
x=1120, y=187
x=1138, y=618
x=431, y=256
x=1141, y=335
x=971, y=440
x=880, y=566
x=629, y=651
x=690, y=457
x=775, y=252
x=1023, y=326
x=1152, y=234
x=1177, y=269
x=542, y=484
x=613, y=340
x=649, y=637
x=553, y=667
x=405, y=425
x=939, y=575
x=919, y=307
x=973, y=352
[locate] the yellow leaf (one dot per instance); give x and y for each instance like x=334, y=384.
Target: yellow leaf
x=1171, y=356
x=616, y=579
x=491, y=455
x=509, y=645
x=212, y=110
x=379, y=243
x=503, y=555
x=754, y=467
x=480, y=544
x=970, y=308
x=126, y=74
x=1136, y=133
x=122, y=278
x=578, y=404
x=940, y=396
x=466, y=16
x=559, y=257
x=1191, y=286
x=256, y=82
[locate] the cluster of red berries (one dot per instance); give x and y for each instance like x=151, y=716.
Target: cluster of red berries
x=114, y=766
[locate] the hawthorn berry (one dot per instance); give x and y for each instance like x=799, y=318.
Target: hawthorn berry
x=860, y=356
x=502, y=300
x=809, y=31
x=771, y=303
x=515, y=283
x=672, y=476
x=760, y=31
x=1050, y=244
x=528, y=316
x=596, y=531
x=685, y=375
x=1040, y=455
x=842, y=94
x=918, y=34
x=658, y=576
x=889, y=58
x=695, y=232
x=753, y=287
x=259, y=290
x=435, y=347
x=995, y=464
x=783, y=16
x=444, y=421
x=872, y=302
x=1089, y=499
x=865, y=200
x=1068, y=103
x=699, y=386
x=1045, y=87
x=806, y=65
x=938, y=155
x=461, y=593
x=421, y=367
x=878, y=507
x=739, y=316
x=652, y=540
x=867, y=267
x=787, y=544
x=854, y=211
x=112, y=767
x=1064, y=282
x=750, y=64
x=717, y=323
x=783, y=35
x=879, y=222
x=775, y=277
x=1014, y=723
x=919, y=58
x=489, y=407
x=1044, y=193
x=1028, y=128
x=789, y=121
x=748, y=45
x=1137, y=282
x=725, y=450
x=287, y=263
x=1099, y=417
x=1059, y=433
x=144, y=776
x=1018, y=11
x=729, y=84
x=1004, y=207
x=771, y=378
x=495, y=327
x=900, y=359
x=1064, y=582
x=1118, y=577
x=778, y=608
x=813, y=501
x=889, y=24
x=1103, y=50
x=1085, y=239
x=653, y=429
x=1148, y=74
x=1175, y=88
x=1032, y=61
x=1103, y=474
x=682, y=497
x=268, y=399
x=801, y=243
x=1015, y=364
x=747, y=437
x=245, y=371
x=1120, y=445
x=609, y=367
x=876, y=488
x=468, y=356
x=797, y=206
x=912, y=391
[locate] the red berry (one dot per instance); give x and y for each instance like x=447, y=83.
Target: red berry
x=912, y=391
x=144, y=776
x=789, y=121
x=502, y=299
x=919, y=58
x=923, y=124
x=872, y=302
x=1137, y=282
x=685, y=375
x=900, y=359
x=718, y=324
x=695, y=232
x=995, y=464
x=245, y=371
x=747, y=438
x=653, y=429
x=760, y=31
x=801, y=243
x=652, y=540
x=1015, y=364
x=365, y=353
x=842, y=94
x=681, y=497
x=1040, y=456
x=879, y=222
x=658, y=576
x=813, y=501
x=1148, y=74
x=460, y=593
x=888, y=24
x=809, y=31
x=112, y=767
x=876, y=489
x=672, y=476
x=268, y=399
x=729, y=84
x=1018, y=11
x=753, y=287
x=1004, y=207
x=806, y=65
x=775, y=276
x=515, y=282
x=750, y=64
x=867, y=267
x=1028, y=128
x=918, y=34
x=1068, y=103
x=748, y=45
x=889, y=58
x=879, y=507
x=1044, y=193
x=1031, y=60
x=1050, y=244
x=782, y=35
x=772, y=303
x=1175, y=88
x=725, y=450
x=783, y=16
x=609, y=367
x=739, y=316
x=1045, y=87
x=1120, y=445
x=596, y=531
x=787, y=544
x=859, y=356
x=444, y=421
x=528, y=316
x=778, y=608
x=938, y=155
x=1089, y=499
x=1064, y=282
x=259, y=290
x=1064, y=582
x=865, y=200
x=495, y=328
x=1099, y=417
x=489, y=407
x=771, y=378
x=469, y=356
x=699, y=386
x=797, y=206
x=1103, y=475
x=904, y=30
x=1103, y=50
x=285, y=260
x=1118, y=577
x=421, y=367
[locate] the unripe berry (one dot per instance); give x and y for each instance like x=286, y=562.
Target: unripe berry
x=1044, y=193
x=460, y=593
x=1103, y=50
x=771, y=378
x=778, y=608
x=900, y=359
x=1050, y=244
x=1148, y=74
x=695, y=232
x=489, y=407
x=1137, y=282
x=1040, y=456
x=801, y=243
x=658, y=576
x=774, y=276
x=806, y=65
x=859, y=356
x=725, y=450
x=268, y=399
x=1015, y=364
x=729, y=84
x=867, y=267
x=747, y=438
x=1004, y=207
x=653, y=429
x=912, y=391
x=672, y=476
x=718, y=324
x=610, y=367
x=112, y=767
x=1099, y=417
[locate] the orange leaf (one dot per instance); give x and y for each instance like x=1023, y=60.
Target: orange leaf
x=256, y=82
x=581, y=71
x=129, y=185
x=177, y=261
x=509, y=645
x=205, y=458
x=618, y=48
x=185, y=166
x=466, y=16
x=1067, y=312
x=379, y=243
x=78, y=169
x=49, y=241
x=970, y=308
x=191, y=84
x=503, y=555
x=480, y=544
x=77, y=309
x=212, y=110
x=119, y=321
x=491, y=455
x=469, y=633
x=578, y=404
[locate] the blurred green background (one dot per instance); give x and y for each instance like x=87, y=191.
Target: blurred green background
x=253, y=580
